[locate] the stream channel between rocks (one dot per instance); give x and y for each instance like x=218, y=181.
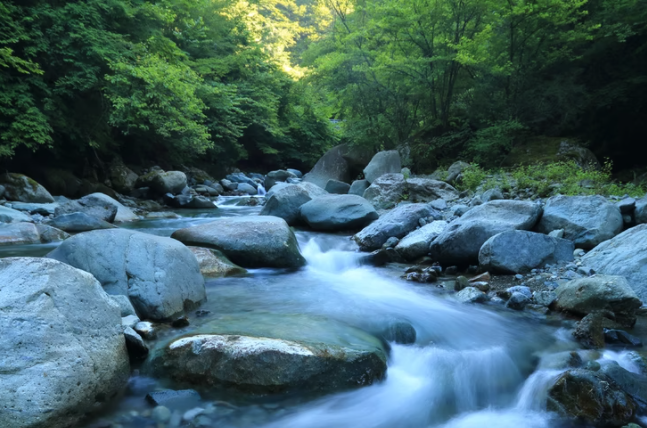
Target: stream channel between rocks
x=470, y=366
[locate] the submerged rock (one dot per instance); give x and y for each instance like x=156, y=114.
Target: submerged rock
x=214, y=264
x=337, y=212
x=62, y=347
x=518, y=251
x=586, y=220
x=270, y=354
x=79, y=222
x=261, y=241
x=159, y=275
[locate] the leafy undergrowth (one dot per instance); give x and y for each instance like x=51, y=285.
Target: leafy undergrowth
x=548, y=179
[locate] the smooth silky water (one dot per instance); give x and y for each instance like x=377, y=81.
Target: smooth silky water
x=470, y=367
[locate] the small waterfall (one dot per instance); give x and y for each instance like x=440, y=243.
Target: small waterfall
x=261, y=190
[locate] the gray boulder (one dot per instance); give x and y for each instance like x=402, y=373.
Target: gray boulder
x=641, y=210
x=427, y=190
x=296, y=172
x=385, y=192
x=21, y=188
x=624, y=255
x=9, y=215
x=247, y=188
x=337, y=212
x=261, y=241
x=94, y=207
x=635, y=384
x=62, y=348
x=461, y=242
x=50, y=234
x=358, y=187
x=270, y=354
x=160, y=275
x=19, y=234
x=388, y=190
x=331, y=165
x=214, y=264
x=599, y=293
x=518, y=251
x=416, y=244
x=586, y=220
x=385, y=162
x=33, y=208
x=79, y=222
x=591, y=398
x=337, y=187
x=396, y=223
x=172, y=182
x=288, y=198
x=123, y=212
x=455, y=170
x=277, y=176
x=121, y=177
x=471, y=295
x=228, y=185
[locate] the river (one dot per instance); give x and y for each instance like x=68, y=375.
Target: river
x=470, y=367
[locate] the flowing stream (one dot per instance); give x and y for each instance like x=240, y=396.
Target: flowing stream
x=470, y=367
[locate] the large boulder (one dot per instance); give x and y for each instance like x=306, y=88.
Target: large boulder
x=416, y=244
x=9, y=215
x=331, y=165
x=386, y=162
x=21, y=188
x=388, y=190
x=624, y=255
x=239, y=177
x=591, y=398
x=338, y=212
x=247, y=188
x=461, y=242
x=261, y=241
x=79, y=222
x=586, y=220
x=214, y=264
x=121, y=177
x=97, y=199
x=518, y=251
x=640, y=212
x=160, y=275
x=287, y=199
x=269, y=353
x=62, y=349
x=599, y=293
x=274, y=177
x=396, y=223
x=172, y=182
x=19, y=234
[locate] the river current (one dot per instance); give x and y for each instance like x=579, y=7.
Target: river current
x=470, y=367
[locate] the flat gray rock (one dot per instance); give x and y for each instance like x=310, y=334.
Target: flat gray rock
x=19, y=234
x=9, y=215
x=338, y=212
x=416, y=244
x=79, y=222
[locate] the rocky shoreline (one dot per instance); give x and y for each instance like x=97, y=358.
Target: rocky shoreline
x=107, y=298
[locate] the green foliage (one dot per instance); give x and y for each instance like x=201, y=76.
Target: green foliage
x=490, y=145
x=473, y=176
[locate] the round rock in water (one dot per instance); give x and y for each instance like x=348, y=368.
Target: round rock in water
x=338, y=212
x=62, y=348
x=160, y=275
x=261, y=241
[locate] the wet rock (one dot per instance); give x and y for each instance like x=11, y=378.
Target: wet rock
x=160, y=275
x=79, y=222
x=180, y=322
x=461, y=241
x=621, y=337
x=517, y=301
x=94, y=207
x=589, y=331
x=122, y=214
x=137, y=349
x=337, y=187
x=61, y=344
x=398, y=222
x=586, y=220
x=214, y=264
x=358, y=187
x=247, y=188
x=19, y=187
x=296, y=172
x=591, y=398
x=172, y=182
x=261, y=241
x=634, y=384
x=400, y=332
x=424, y=276
x=385, y=162
x=471, y=295
x=9, y=215
x=162, y=215
x=19, y=234
x=561, y=361
x=517, y=251
x=288, y=199
x=599, y=293
x=416, y=244
x=337, y=212
x=146, y=330
x=625, y=255
x=172, y=398
x=312, y=355
x=50, y=234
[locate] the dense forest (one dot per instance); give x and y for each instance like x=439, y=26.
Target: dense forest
x=274, y=83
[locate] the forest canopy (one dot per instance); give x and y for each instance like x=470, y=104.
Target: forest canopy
x=276, y=83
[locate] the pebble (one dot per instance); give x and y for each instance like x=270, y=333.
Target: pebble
x=519, y=276
x=521, y=289
x=518, y=300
